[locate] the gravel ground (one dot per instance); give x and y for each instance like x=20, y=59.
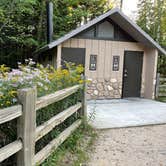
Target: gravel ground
x=137, y=146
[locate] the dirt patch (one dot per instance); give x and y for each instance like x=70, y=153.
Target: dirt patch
x=138, y=146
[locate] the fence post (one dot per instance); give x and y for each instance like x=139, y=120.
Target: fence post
x=84, y=103
x=26, y=126
x=157, y=85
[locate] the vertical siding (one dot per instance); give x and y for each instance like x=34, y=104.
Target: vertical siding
x=121, y=63
x=67, y=43
x=108, y=59
x=150, y=72
x=94, y=47
x=105, y=50
x=81, y=43
x=88, y=52
x=101, y=59
x=59, y=50
x=74, y=43
x=115, y=52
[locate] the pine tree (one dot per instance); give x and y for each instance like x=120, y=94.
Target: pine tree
x=152, y=19
x=23, y=24
x=145, y=10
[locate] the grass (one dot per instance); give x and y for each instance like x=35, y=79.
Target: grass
x=162, y=99
x=73, y=151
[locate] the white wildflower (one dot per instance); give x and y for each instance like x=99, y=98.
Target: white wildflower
x=40, y=84
x=46, y=88
x=14, y=100
x=1, y=93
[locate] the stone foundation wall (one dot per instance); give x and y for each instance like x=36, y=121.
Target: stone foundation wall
x=104, y=89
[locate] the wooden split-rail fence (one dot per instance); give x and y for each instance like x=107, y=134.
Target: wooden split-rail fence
x=160, y=86
x=29, y=133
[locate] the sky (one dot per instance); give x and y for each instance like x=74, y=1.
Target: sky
x=130, y=8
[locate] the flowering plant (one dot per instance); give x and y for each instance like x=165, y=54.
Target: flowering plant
x=46, y=79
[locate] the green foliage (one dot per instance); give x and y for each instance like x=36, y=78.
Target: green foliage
x=23, y=24
x=69, y=14
x=162, y=99
x=47, y=80
x=152, y=18
x=75, y=146
x=145, y=14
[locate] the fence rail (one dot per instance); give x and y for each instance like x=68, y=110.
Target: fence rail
x=46, y=151
x=10, y=113
x=162, y=79
x=7, y=115
x=160, y=86
x=27, y=131
x=57, y=96
x=10, y=149
x=56, y=120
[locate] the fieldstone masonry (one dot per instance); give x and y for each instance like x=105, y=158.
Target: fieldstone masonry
x=104, y=89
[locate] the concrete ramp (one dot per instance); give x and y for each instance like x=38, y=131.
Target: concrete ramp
x=129, y=112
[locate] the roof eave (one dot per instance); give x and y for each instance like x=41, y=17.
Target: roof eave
x=81, y=28
x=147, y=36
x=96, y=20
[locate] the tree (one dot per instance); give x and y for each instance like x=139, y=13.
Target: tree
x=18, y=29
x=145, y=15
x=152, y=18
x=68, y=14
x=23, y=24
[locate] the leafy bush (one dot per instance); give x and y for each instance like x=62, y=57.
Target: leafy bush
x=23, y=24
x=47, y=80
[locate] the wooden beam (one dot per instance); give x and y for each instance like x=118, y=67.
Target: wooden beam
x=84, y=100
x=52, y=146
x=26, y=126
x=162, y=79
x=157, y=85
x=56, y=120
x=10, y=149
x=54, y=97
x=162, y=94
x=162, y=86
x=10, y=113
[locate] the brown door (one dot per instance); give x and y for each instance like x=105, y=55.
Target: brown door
x=132, y=73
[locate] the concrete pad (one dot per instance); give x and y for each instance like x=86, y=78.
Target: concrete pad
x=127, y=112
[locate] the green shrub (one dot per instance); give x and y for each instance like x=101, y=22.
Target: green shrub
x=47, y=80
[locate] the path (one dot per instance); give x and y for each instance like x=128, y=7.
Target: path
x=137, y=146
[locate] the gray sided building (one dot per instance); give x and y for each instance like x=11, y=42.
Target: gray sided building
x=120, y=59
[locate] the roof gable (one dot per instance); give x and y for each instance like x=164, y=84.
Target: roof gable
x=121, y=20
x=106, y=29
